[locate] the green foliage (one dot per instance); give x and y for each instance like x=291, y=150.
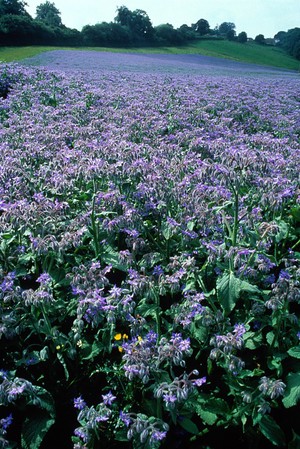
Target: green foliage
x=35, y=428
x=177, y=319
x=272, y=431
x=292, y=394
x=250, y=52
x=229, y=289
x=260, y=39
x=48, y=14
x=226, y=27
x=201, y=27
x=291, y=42
x=242, y=37
x=15, y=7
x=165, y=34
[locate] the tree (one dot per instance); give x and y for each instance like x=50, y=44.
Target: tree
x=18, y=29
x=16, y=7
x=48, y=14
x=260, y=39
x=138, y=22
x=166, y=34
x=187, y=33
x=242, y=37
x=279, y=38
x=230, y=35
x=201, y=27
x=124, y=16
x=110, y=34
x=225, y=27
x=291, y=42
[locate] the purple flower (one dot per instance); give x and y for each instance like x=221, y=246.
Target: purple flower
x=158, y=435
x=157, y=270
x=239, y=330
x=169, y=399
x=6, y=422
x=108, y=398
x=199, y=382
x=284, y=275
x=79, y=403
x=82, y=434
x=125, y=417
x=44, y=279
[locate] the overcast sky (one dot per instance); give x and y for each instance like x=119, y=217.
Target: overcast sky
x=265, y=17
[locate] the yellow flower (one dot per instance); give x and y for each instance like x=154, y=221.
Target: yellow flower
x=58, y=347
x=120, y=349
x=118, y=337
x=125, y=337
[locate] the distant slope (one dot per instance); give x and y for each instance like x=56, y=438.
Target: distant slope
x=249, y=52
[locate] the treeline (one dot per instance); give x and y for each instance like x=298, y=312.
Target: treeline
x=289, y=41
x=129, y=29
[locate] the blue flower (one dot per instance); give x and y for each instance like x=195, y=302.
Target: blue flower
x=79, y=403
x=108, y=398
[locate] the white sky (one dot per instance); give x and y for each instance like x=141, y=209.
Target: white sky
x=265, y=17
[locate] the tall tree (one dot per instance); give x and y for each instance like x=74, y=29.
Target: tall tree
x=291, y=42
x=260, y=39
x=124, y=16
x=226, y=27
x=48, y=14
x=16, y=7
x=242, y=37
x=138, y=22
x=201, y=27
x=280, y=37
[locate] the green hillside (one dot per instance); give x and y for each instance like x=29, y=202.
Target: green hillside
x=249, y=52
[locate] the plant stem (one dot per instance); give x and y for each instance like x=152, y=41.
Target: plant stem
x=94, y=228
x=236, y=218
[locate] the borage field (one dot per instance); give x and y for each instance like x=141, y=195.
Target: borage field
x=149, y=250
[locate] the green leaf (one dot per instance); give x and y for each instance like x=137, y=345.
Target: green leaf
x=283, y=231
x=63, y=362
x=44, y=400
x=271, y=430
x=189, y=426
x=146, y=309
x=190, y=225
x=228, y=288
x=270, y=338
x=190, y=284
x=209, y=366
x=253, y=340
x=208, y=409
x=111, y=257
x=294, y=352
x=217, y=406
x=249, y=288
x=121, y=435
x=90, y=351
x=199, y=333
x=35, y=428
x=295, y=443
x=292, y=392
x=295, y=211
x=166, y=231
x=206, y=416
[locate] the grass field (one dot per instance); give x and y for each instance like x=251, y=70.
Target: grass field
x=250, y=52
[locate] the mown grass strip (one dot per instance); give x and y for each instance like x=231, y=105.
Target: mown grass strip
x=250, y=52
